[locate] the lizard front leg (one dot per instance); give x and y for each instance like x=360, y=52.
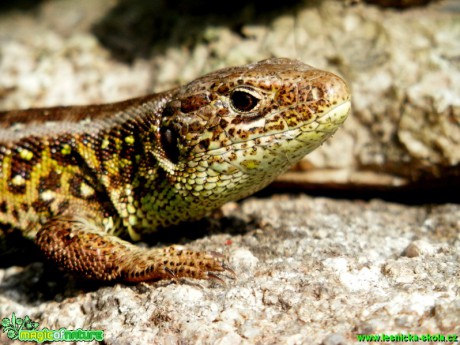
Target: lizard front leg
x=78, y=246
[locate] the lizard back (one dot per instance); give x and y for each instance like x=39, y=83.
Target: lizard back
x=50, y=156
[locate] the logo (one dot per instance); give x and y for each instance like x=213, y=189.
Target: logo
x=25, y=329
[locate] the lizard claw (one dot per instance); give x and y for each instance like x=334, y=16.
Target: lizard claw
x=170, y=273
x=229, y=270
x=216, y=278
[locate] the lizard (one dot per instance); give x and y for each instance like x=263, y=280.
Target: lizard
x=86, y=182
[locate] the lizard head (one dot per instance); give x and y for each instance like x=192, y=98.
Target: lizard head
x=232, y=132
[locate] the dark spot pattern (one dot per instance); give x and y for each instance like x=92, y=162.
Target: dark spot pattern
x=194, y=103
x=51, y=181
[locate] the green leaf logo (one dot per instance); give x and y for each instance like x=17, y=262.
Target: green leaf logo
x=13, y=326
x=5, y=323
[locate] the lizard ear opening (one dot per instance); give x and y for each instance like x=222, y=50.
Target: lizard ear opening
x=167, y=150
x=169, y=143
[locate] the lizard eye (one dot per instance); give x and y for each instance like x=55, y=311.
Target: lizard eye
x=244, y=100
x=169, y=143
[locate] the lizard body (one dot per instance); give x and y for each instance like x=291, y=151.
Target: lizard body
x=83, y=180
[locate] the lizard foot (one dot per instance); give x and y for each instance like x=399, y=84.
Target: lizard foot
x=78, y=248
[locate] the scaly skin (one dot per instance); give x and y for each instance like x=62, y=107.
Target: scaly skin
x=82, y=180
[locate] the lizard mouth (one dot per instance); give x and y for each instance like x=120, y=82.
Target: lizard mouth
x=336, y=116
x=318, y=130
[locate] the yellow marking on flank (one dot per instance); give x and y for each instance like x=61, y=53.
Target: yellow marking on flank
x=86, y=191
x=129, y=140
x=26, y=154
x=18, y=180
x=66, y=149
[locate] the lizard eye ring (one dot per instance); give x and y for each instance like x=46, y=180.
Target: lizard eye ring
x=244, y=100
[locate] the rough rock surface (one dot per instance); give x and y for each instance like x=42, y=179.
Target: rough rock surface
x=309, y=270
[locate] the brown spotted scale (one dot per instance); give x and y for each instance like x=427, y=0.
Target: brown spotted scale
x=84, y=181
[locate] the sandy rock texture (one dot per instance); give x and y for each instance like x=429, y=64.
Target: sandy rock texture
x=343, y=268
x=309, y=270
